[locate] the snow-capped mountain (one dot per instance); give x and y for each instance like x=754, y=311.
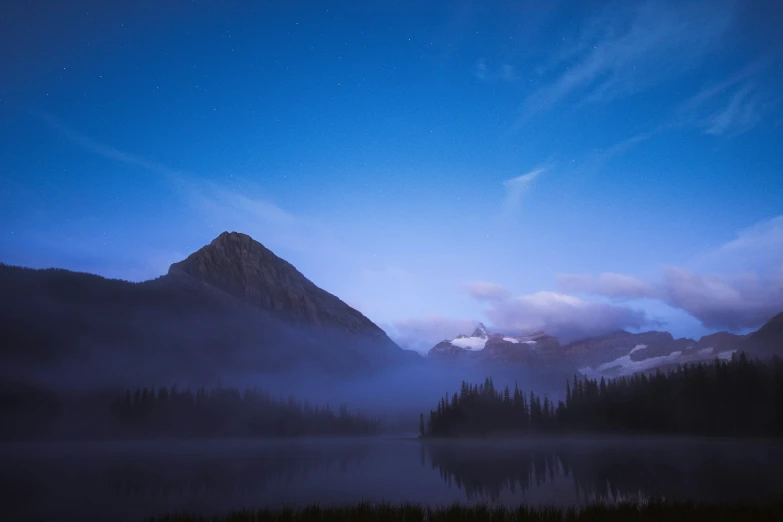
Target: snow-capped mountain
x=482, y=344
x=615, y=354
x=475, y=342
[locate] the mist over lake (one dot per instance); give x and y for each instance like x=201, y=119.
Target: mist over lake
x=133, y=480
x=367, y=261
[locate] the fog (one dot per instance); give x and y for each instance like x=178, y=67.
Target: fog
x=125, y=401
x=132, y=480
x=94, y=339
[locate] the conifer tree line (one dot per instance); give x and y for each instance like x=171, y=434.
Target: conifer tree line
x=740, y=397
x=228, y=412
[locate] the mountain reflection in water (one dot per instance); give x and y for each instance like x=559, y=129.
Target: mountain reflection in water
x=134, y=480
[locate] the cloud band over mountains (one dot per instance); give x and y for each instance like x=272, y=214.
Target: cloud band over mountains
x=735, y=302
x=717, y=301
x=585, y=305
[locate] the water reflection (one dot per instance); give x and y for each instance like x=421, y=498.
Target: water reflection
x=228, y=473
x=132, y=481
x=615, y=469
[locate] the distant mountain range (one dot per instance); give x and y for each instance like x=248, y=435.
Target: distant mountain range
x=233, y=307
x=614, y=354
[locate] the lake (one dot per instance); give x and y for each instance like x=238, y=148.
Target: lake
x=132, y=480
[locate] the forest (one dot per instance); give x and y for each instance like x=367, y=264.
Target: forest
x=742, y=397
x=229, y=412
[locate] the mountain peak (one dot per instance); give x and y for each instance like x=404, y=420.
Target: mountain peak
x=480, y=331
x=237, y=237
x=237, y=264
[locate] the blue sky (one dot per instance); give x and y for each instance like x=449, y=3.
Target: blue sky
x=572, y=167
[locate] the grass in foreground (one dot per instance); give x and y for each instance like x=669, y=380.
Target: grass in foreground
x=651, y=511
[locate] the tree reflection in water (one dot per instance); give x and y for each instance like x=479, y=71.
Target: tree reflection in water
x=614, y=469
x=131, y=481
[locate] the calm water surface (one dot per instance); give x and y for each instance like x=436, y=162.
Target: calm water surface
x=130, y=481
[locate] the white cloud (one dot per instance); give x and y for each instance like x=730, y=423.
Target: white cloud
x=719, y=301
x=561, y=314
x=516, y=187
x=421, y=334
x=485, y=291
x=743, y=300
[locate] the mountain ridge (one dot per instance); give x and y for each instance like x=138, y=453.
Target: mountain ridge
x=615, y=353
x=211, y=315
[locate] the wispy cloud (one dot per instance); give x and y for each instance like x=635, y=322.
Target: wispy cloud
x=736, y=104
x=221, y=208
x=766, y=235
x=758, y=247
x=245, y=209
x=111, y=153
x=741, y=114
x=629, y=48
x=516, y=188
x=600, y=157
x=486, y=72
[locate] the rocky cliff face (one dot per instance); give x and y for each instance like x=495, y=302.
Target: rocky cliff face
x=247, y=270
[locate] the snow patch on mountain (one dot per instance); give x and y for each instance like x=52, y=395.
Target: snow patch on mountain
x=470, y=343
x=705, y=351
x=625, y=366
x=638, y=347
x=511, y=340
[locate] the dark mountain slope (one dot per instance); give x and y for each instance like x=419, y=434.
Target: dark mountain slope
x=247, y=270
x=215, y=315
x=767, y=340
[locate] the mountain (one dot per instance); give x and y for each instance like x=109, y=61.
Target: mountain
x=613, y=354
x=231, y=308
x=625, y=353
x=483, y=346
x=768, y=340
x=248, y=271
